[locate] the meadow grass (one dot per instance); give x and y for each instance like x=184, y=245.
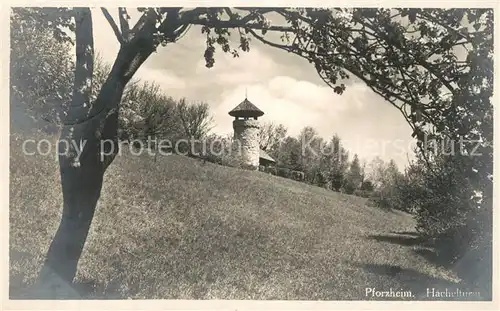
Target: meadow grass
x=179, y=228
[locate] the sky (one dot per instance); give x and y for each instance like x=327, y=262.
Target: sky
x=284, y=86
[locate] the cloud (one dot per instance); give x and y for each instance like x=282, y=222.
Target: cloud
x=294, y=103
x=229, y=71
x=166, y=80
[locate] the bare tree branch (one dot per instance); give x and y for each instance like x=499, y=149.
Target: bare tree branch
x=193, y=17
x=276, y=45
x=113, y=25
x=238, y=23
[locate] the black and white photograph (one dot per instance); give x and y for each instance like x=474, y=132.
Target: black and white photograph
x=251, y=153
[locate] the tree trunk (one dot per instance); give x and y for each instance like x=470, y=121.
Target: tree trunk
x=81, y=181
x=92, y=131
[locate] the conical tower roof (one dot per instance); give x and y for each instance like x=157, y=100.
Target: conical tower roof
x=246, y=109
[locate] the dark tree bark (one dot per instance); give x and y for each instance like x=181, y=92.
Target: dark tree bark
x=92, y=126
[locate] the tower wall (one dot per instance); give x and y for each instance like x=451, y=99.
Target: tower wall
x=246, y=136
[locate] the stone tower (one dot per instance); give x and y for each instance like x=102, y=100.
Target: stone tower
x=246, y=134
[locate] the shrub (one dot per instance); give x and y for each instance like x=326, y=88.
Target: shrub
x=442, y=197
x=363, y=193
x=320, y=179
x=271, y=170
x=337, y=180
x=367, y=185
x=284, y=172
x=349, y=187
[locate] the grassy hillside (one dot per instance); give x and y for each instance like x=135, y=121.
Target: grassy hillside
x=181, y=229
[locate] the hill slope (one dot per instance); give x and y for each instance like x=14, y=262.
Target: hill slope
x=181, y=229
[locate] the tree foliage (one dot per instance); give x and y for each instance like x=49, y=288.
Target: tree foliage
x=195, y=118
x=389, y=183
x=452, y=213
x=271, y=135
x=354, y=176
x=41, y=69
